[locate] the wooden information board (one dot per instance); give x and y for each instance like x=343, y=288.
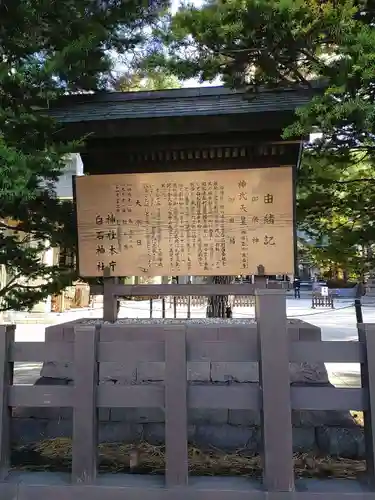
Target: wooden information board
x=186, y=223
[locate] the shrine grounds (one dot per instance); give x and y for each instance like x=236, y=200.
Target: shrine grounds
x=336, y=324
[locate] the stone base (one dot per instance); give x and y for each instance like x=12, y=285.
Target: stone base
x=321, y=431
x=227, y=430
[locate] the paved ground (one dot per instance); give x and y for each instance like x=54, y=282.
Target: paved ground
x=337, y=324
x=333, y=488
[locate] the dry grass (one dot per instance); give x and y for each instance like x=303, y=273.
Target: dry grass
x=144, y=458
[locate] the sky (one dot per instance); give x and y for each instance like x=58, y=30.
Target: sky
x=175, y=4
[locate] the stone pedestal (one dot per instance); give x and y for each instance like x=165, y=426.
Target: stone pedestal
x=228, y=429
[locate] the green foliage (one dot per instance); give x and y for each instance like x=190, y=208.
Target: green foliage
x=273, y=43
x=341, y=283
x=23, y=243
x=337, y=205
x=249, y=43
x=140, y=80
x=48, y=49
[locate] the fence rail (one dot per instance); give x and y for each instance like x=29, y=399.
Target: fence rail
x=112, y=291
x=270, y=346
x=120, y=290
x=216, y=351
x=165, y=289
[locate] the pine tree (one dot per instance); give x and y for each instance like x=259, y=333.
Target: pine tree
x=276, y=43
x=287, y=43
x=141, y=80
x=47, y=50
x=336, y=210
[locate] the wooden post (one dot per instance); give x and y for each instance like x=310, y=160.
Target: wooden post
x=109, y=301
x=176, y=434
x=259, y=279
x=273, y=341
x=260, y=282
x=358, y=311
x=366, y=334
x=6, y=379
x=85, y=421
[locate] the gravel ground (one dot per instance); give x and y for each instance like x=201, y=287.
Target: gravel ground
x=178, y=321
x=170, y=321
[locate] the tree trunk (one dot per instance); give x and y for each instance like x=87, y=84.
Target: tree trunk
x=218, y=305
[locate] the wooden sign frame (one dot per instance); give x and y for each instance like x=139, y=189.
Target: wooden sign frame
x=238, y=199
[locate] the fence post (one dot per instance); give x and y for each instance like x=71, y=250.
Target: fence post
x=260, y=281
x=109, y=301
x=358, y=311
x=85, y=421
x=366, y=334
x=274, y=380
x=176, y=432
x=6, y=379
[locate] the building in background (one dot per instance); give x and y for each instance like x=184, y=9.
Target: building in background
x=51, y=256
x=78, y=293
x=307, y=269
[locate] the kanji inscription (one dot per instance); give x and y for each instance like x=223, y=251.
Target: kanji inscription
x=186, y=223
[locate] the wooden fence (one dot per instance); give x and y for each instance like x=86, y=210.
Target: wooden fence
x=274, y=397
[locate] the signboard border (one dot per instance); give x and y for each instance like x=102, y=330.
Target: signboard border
x=293, y=167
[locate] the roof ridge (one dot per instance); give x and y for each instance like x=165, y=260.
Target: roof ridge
x=183, y=93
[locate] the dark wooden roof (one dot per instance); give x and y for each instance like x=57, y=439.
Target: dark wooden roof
x=189, y=102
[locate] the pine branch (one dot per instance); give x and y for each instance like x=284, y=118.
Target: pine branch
x=5, y=309
x=9, y=285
